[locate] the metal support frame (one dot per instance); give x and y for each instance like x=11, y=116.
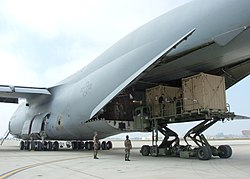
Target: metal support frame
x=167, y=142
x=195, y=134
x=167, y=133
x=155, y=132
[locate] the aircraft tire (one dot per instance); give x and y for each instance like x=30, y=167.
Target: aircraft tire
x=204, y=153
x=32, y=145
x=35, y=147
x=44, y=145
x=145, y=150
x=86, y=145
x=39, y=146
x=21, y=145
x=225, y=151
x=82, y=145
x=55, y=146
x=109, y=145
x=104, y=145
x=27, y=145
x=89, y=145
x=49, y=146
x=74, y=145
x=77, y=145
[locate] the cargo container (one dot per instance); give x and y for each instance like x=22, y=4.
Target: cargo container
x=204, y=91
x=161, y=100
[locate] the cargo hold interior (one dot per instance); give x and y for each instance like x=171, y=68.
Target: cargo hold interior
x=197, y=92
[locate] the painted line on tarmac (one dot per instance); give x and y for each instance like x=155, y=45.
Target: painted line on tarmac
x=18, y=170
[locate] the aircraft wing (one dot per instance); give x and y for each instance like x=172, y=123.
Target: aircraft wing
x=11, y=94
x=141, y=71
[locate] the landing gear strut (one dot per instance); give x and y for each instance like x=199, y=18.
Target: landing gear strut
x=170, y=145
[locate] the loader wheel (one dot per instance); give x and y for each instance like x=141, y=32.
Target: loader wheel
x=204, y=153
x=154, y=150
x=109, y=145
x=225, y=151
x=145, y=150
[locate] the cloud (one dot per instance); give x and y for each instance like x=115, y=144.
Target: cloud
x=13, y=66
x=51, y=18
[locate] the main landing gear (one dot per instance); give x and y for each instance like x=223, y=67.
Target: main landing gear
x=54, y=146
x=170, y=145
x=89, y=145
x=39, y=146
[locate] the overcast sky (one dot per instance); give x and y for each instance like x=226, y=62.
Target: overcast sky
x=43, y=42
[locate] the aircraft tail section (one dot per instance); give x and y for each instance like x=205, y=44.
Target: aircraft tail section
x=140, y=71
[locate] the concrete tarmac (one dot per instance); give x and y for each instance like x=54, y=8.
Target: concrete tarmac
x=80, y=164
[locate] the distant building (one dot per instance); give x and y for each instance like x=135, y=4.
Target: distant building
x=246, y=132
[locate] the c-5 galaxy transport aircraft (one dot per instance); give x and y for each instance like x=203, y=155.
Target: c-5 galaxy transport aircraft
x=173, y=69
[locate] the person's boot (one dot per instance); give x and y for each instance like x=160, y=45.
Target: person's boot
x=95, y=157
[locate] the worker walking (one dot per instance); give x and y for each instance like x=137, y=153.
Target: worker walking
x=128, y=146
x=96, y=143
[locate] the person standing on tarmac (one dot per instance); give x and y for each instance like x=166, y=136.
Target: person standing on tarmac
x=128, y=146
x=96, y=143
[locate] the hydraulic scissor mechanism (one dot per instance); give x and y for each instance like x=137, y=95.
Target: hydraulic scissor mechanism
x=170, y=137
x=195, y=134
x=170, y=145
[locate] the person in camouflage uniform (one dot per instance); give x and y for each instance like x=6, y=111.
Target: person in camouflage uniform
x=128, y=146
x=96, y=143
